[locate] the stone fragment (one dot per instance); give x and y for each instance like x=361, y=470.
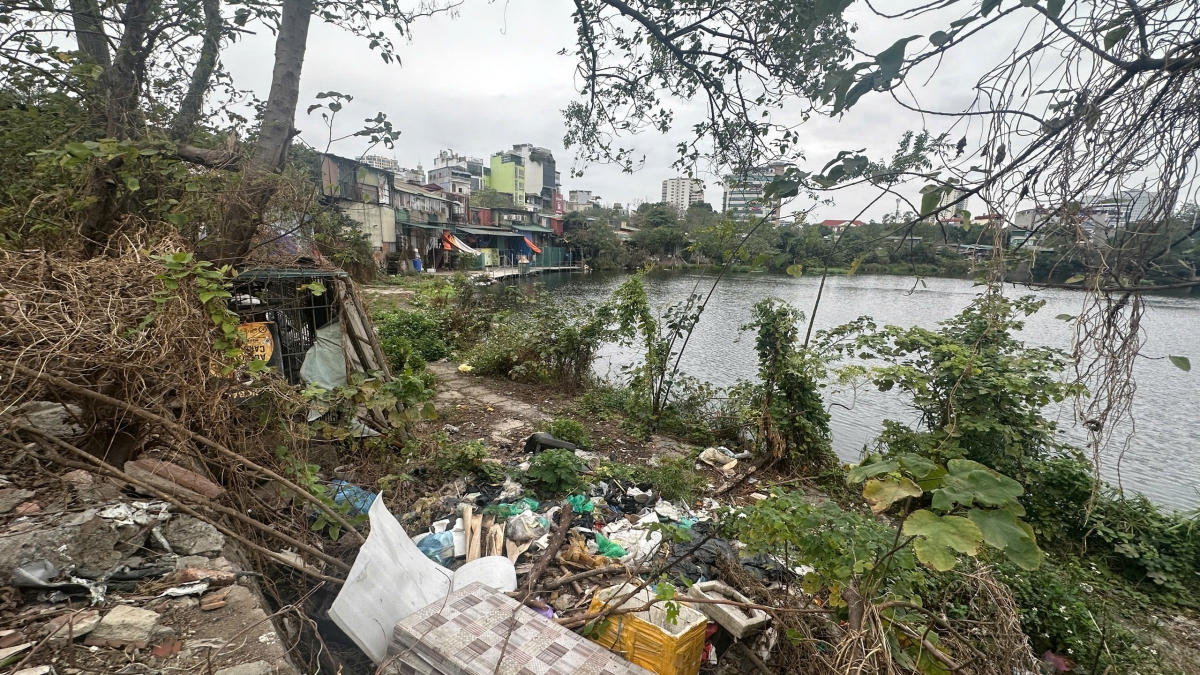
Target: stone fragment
x=172, y=479
x=80, y=624
x=28, y=509
x=184, y=562
x=255, y=668
x=740, y=622
x=52, y=418
x=757, y=497
x=192, y=536
x=74, y=539
x=216, y=599
x=36, y=670
x=125, y=626
x=11, y=497
x=213, y=577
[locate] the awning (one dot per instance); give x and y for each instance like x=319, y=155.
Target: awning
x=458, y=243
x=489, y=232
x=534, y=228
x=529, y=243
x=424, y=226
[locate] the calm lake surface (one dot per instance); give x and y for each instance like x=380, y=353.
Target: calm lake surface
x=1162, y=459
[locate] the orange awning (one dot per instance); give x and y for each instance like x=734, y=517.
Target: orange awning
x=530, y=242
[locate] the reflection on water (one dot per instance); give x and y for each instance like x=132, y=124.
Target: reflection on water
x=1160, y=459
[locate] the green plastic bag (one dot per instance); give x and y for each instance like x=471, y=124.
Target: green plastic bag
x=510, y=510
x=607, y=548
x=581, y=503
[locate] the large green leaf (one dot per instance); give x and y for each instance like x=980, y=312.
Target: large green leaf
x=1002, y=530
x=940, y=537
x=881, y=494
x=860, y=473
x=891, y=59
x=982, y=486
x=918, y=465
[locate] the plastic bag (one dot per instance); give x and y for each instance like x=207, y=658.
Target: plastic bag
x=607, y=548
x=438, y=547
x=525, y=526
x=509, y=510
x=581, y=503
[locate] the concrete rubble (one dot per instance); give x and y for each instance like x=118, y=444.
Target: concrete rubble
x=114, y=583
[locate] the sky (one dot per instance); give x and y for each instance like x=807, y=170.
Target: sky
x=490, y=76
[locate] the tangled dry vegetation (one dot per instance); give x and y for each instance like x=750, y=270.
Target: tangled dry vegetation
x=76, y=335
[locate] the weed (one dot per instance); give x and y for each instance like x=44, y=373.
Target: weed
x=568, y=430
x=556, y=471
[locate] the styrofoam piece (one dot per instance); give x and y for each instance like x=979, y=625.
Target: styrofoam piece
x=494, y=571
x=739, y=621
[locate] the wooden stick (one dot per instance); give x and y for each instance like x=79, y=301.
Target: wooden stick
x=189, y=434
x=495, y=541
x=556, y=542
x=575, y=578
x=474, y=543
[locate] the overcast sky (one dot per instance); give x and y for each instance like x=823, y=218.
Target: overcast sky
x=491, y=77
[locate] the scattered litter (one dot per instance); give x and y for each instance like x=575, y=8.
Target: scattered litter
x=511, y=490
x=191, y=588
x=360, y=500
x=608, y=548
x=525, y=526
x=581, y=504
x=757, y=497
x=668, y=510
x=438, y=547
x=724, y=462
x=137, y=513
x=451, y=429
x=542, y=440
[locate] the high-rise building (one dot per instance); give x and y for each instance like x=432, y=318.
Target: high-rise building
x=952, y=196
x=744, y=193
x=682, y=193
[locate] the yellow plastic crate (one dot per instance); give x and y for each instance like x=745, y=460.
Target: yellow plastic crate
x=647, y=639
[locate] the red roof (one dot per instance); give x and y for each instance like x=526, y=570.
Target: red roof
x=839, y=223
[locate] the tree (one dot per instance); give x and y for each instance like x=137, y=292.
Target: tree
x=488, y=198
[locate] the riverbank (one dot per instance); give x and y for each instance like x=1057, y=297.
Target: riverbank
x=1058, y=601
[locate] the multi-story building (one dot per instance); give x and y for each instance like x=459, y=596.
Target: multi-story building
x=541, y=176
x=475, y=168
x=1123, y=207
x=952, y=196
x=507, y=176
x=392, y=166
x=454, y=179
x=682, y=193
x=744, y=193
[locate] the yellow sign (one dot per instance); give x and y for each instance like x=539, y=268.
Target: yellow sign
x=260, y=345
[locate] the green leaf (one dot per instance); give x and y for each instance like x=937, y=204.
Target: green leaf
x=1112, y=37
x=929, y=201
x=891, y=59
x=1002, y=530
x=1181, y=362
x=1055, y=7
x=191, y=187
x=939, y=38
x=940, y=537
x=860, y=473
x=918, y=465
x=883, y=493
x=967, y=485
x=987, y=6
x=1065, y=317
x=132, y=183
x=1075, y=279
x=795, y=270
x=78, y=150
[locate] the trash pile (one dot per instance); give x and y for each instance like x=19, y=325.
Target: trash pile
x=492, y=560
x=102, y=581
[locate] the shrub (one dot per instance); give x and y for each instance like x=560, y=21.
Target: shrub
x=469, y=457
x=568, y=430
x=556, y=470
x=406, y=332
x=675, y=478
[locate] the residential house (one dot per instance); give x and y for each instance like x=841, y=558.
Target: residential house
x=475, y=168
x=364, y=193
x=542, y=178
x=838, y=225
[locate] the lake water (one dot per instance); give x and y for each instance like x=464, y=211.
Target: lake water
x=1162, y=459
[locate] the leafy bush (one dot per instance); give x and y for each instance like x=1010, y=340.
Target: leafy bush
x=676, y=478
x=407, y=333
x=469, y=457
x=556, y=470
x=568, y=430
